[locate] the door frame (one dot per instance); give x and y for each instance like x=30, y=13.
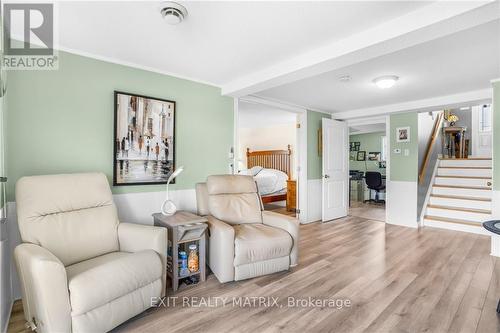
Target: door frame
x=301, y=145
x=379, y=120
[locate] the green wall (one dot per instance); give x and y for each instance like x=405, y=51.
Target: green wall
x=314, y=161
x=404, y=168
x=496, y=135
x=368, y=142
x=62, y=121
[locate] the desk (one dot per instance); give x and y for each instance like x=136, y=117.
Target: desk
x=449, y=140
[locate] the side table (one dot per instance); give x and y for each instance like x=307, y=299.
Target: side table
x=184, y=228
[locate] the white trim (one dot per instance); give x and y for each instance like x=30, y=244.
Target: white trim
x=301, y=146
x=428, y=195
x=366, y=121
x=134, y=65
x=279, y=104
x=422, y=105
x=495, y=245
x=236, y=139
x=479, y=230
x=302, y=203
x=422, y=25
x=387, y=163
x=495, y=80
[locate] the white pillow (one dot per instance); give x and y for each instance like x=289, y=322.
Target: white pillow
x=251, y=172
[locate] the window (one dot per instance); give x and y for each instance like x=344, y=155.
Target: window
x=485, y=118
x=383, y=149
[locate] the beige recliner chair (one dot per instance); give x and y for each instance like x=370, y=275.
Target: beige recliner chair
x=244, y=240
x=80, y=269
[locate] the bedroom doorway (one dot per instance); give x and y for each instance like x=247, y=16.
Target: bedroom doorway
x=368, y=163
x=267, y=141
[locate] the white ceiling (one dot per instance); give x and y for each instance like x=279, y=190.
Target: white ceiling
x=294, y=51
x=461, y=62
x=219, y=41
x=253, y=115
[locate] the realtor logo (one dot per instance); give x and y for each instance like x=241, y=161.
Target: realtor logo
x=29, y=36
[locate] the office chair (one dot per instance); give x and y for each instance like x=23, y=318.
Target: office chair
x=374, y=182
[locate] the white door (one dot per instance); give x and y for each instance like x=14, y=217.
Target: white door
x=335, y=169
x=481, y=131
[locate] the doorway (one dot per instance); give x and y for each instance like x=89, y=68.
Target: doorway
x=368, y=162
x=268, y=147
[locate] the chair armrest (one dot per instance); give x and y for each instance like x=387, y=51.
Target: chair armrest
x=44, y=286
x=221, y=249
x=290, y=225
x=137, y=237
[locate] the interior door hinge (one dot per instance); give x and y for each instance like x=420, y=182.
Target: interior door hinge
x=298, y=125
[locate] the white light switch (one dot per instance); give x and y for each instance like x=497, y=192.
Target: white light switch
x=407, y=152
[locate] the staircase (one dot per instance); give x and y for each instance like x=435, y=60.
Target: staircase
x=460, y=196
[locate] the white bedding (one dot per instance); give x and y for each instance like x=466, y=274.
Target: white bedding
x=268, y=180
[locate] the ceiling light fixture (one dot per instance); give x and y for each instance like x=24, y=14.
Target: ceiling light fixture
x=386, y=81
x=173, y=12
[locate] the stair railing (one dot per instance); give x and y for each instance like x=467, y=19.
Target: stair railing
x=430, y=145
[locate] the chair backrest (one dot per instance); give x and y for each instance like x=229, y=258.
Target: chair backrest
x=230, y=198
x=373, y=179
x=72, y=215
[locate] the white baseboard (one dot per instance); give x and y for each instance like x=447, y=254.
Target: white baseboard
x=457, y=227
x=314, y=200
x=495, y=205
x=401, y=203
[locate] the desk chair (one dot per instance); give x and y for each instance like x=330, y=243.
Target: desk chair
x=374, y=182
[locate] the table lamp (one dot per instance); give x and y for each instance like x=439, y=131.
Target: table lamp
x=168, y=207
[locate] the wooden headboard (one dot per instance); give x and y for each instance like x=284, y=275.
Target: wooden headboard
x=271, y=159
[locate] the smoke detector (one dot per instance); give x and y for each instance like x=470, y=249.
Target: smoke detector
x=173, y=12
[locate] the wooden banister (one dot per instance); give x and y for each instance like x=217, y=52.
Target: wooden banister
x=430, y=144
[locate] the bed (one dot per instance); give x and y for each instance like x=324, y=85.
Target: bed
x=272, y=172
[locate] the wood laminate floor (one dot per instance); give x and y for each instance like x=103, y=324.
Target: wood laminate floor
x=397, y=279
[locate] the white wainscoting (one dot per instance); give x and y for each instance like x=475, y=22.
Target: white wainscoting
x=138, y=207
x=314, y=200
x=401, y=203
x=495, y=215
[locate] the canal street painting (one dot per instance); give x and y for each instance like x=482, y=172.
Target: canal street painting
x=144, y=140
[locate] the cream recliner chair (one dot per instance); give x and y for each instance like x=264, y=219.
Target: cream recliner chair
x=244, y=240
x=80, y=269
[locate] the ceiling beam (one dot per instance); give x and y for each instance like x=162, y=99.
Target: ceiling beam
x=427, y=23
x=423, y=105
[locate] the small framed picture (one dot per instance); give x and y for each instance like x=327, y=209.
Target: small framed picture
x=352, y=155
x=361, y=155
x=403, y=134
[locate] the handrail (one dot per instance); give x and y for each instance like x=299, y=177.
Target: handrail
x=430, y=144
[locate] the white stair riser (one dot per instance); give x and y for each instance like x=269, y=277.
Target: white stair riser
x=462, y=181
x=468, y=163
x=455, y=226
x=462, y=192
x=456, y=214
x=465, y=172
x=460, y=203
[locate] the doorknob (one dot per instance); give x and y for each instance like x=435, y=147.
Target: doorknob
x=326, y=176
